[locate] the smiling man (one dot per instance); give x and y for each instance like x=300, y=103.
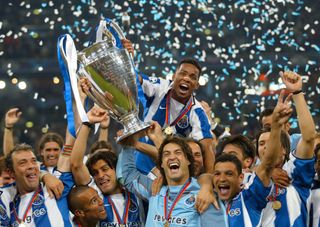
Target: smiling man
x=244, y=207
x=173, y=105
x=174, y=205
x=31, y=205
x=122, y=207
x=87, y=206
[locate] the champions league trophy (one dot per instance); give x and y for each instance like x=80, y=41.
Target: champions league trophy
x=111, y=72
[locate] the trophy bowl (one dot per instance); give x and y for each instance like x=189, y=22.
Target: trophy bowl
x=110, y=70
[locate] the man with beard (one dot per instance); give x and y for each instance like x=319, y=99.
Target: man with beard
x=173, y=105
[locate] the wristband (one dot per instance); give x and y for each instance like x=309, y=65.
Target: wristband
x=66, y=150
x=88, y=124
x=296, y=92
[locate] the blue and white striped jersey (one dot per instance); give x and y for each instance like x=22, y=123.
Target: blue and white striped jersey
x=314, y=205
x=245, y=209
x=294, y=199
x=136, y=215
x=184, y=213
x=194, y=124
x=44, y=211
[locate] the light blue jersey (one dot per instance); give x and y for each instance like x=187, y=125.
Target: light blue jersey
x=245, y=209
x=293, y=211
x=44, y=211
x=184, y=213
x=194, y=124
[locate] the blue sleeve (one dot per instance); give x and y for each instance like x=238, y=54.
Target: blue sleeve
x=131, y=178
x=301, y=171
x=68, y=182
x=255, y=193
x=214, y=217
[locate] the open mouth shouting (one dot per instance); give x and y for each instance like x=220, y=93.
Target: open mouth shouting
x=184, y=88
x=224, y=191
x=174, y=167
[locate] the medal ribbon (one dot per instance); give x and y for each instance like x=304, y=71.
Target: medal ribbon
x=276, y=193
x=124, y=218
x=184, y=187
x=183, y=112
x=34, y=196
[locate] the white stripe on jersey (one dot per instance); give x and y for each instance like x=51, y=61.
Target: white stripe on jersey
x=54, y=214
x=293, y=203
x=246, y=217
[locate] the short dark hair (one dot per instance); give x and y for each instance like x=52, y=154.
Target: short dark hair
x=230, y=158
x=73, y=197
x=108, y=156
x=248, y=150
x=17, y=148
x=50, y=137
x=184, y=147
x=284, y=139
x=101, y=144
x=191, y=61
x=265, y=113
x=191, y=140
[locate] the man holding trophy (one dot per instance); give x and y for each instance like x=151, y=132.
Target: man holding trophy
x=173, y=105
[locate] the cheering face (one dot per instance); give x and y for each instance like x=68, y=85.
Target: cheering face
x=50, y=154
x=198, y=159
x=227, y=180
x=93, y=206
x=185, y=81
x=263, y=139
x=105, y=177
x=26, y=171
x=175, y=164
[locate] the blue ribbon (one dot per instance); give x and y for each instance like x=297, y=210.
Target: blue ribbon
x=67, y=88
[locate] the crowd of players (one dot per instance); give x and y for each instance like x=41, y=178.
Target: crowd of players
x=176, y=173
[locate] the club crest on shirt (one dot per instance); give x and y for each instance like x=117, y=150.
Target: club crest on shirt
x=153, y=79
x=190, y=201
x=39, y=200
x=184, y=122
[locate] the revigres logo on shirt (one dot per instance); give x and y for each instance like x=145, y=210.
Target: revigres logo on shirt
x=172, y=220
x=113, y=224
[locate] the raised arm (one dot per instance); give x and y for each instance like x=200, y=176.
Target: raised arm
x=12, y=117
x=79, y=170
x=293, y=82
x=273, y=152
x=104, y=129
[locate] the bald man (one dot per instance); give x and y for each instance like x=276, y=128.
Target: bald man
x=87, y=206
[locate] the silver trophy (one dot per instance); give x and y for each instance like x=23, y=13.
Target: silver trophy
x=111, y=73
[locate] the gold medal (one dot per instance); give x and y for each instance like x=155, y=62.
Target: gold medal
x=276, y=205
x=166, y=224
x=168, y=131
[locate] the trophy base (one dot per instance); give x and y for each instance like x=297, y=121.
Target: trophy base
x=132, y=124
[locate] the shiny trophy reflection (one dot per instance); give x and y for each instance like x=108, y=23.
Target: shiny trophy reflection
x=111, y=73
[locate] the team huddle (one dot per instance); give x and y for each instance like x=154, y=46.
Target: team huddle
x=178, y=172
